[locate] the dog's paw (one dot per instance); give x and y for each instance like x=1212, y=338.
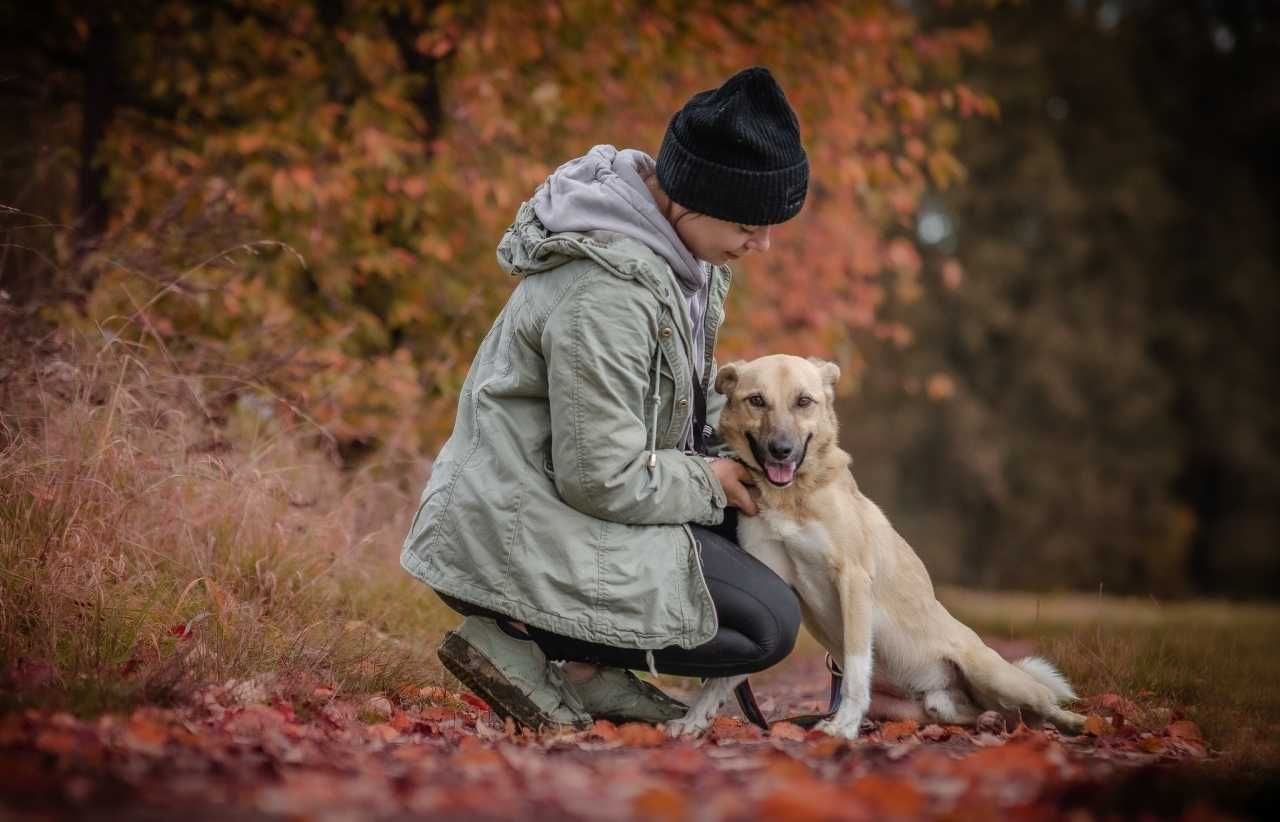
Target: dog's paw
x=1068, y=721
x=845, y=726
x=687, y=726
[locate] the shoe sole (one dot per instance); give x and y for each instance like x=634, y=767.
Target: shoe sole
x=480, y=676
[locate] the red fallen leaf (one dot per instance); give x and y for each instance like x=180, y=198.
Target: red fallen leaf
x=322, y=693
x=787, y=731
x=1144, y=693
x=606, y=730
x=934, y=733
x=826, y=745
x=788, y=770
x=1095, y=725
x=640, y=735
x=1184, y=729
x=1151, y=744
x=475, y=756
x=893, y=731
x=433, y=693
x=57, y=741
x=182, y=630
x=384, y=732
x=1115, y=703
x=679, y=761
x=402, y=722
x=727, y=729
x=889, y=797
x=474, y=701
x=438, y=714
x=818, y=800
x=144, y=735
x=660, y=802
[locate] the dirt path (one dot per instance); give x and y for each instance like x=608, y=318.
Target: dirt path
x=240, y=752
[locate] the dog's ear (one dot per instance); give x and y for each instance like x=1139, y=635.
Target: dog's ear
x=727, y=377
x=830, y=374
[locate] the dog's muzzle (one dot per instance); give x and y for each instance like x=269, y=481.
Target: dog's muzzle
x=781, y=460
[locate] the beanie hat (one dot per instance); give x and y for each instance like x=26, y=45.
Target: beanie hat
x=734, y=152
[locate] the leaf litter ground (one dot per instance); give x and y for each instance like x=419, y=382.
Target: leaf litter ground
x=240, y=750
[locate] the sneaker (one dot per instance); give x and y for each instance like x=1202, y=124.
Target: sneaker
x=513, y=676
x=618, y=695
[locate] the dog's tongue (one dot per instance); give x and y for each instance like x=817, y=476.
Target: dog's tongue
x=780, y=473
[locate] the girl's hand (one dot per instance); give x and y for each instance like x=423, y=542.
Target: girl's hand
x=733, y=477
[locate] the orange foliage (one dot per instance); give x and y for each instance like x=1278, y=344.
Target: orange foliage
x=390, y=147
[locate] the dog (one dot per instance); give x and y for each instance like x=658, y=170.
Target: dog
x=863, y=591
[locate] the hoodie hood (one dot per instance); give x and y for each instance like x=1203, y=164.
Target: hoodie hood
x=604, y=190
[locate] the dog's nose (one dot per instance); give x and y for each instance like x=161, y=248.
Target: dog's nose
x=780, y=450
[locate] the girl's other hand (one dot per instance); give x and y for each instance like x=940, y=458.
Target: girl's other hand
x=734, y=478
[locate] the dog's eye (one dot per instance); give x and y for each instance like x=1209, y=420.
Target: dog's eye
x=756, y=400
x=804, y=402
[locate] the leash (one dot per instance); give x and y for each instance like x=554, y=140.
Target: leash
x=751, y=708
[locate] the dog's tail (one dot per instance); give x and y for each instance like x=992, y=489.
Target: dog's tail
x=1030, y=684
x=1044, y=672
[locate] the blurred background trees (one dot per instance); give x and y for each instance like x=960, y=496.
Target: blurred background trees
x=1059, y=368
x=1103, y=411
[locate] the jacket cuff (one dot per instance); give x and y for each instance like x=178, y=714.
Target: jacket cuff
x=707, y=479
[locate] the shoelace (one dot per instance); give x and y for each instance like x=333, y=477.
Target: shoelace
x=568, y=694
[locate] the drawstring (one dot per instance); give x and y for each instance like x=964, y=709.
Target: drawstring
x=657, y=401
x=648, y=657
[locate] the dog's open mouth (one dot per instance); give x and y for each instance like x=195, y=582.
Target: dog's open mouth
x=780, y=473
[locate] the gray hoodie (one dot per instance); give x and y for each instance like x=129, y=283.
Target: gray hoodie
x=604, y=190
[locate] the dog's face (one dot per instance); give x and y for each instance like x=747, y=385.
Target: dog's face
x=778, y=410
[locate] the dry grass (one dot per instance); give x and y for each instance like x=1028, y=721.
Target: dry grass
x=1214, y=662
x=128, y=518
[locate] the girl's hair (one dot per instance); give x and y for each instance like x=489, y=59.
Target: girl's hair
x=650, y=180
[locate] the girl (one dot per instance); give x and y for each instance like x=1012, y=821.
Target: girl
x=577, y=512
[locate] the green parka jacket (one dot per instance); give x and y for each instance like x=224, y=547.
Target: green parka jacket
x=561, y=498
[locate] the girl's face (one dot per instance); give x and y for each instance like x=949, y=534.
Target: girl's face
x=719, y=241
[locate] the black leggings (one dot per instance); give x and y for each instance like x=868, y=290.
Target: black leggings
x=759, y=616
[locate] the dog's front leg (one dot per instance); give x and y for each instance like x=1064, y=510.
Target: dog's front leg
x=855, y=692
x=705, y=706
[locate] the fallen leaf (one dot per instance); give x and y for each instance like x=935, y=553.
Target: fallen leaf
x=144, y=735
x=474, y=701
x=787, y=731
x=606, y=730
x=934, y=733
x=893, y=731
x=1151, y=744
x=1185, y=729
x=889, y=797
x=1095, y=725
x=57, y=741
x=660, y=803
x=727, y=729
x=1114, y=703
x=640, y=735
x=383, y=732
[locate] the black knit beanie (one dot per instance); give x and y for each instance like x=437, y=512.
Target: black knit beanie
x=734, y=152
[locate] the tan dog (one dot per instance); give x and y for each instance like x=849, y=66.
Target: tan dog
x=860, y=584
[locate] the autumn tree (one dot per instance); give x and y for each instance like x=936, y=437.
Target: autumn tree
x=381, y=148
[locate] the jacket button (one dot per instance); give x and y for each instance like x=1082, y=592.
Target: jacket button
x=666, y=331
x=684, y=402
